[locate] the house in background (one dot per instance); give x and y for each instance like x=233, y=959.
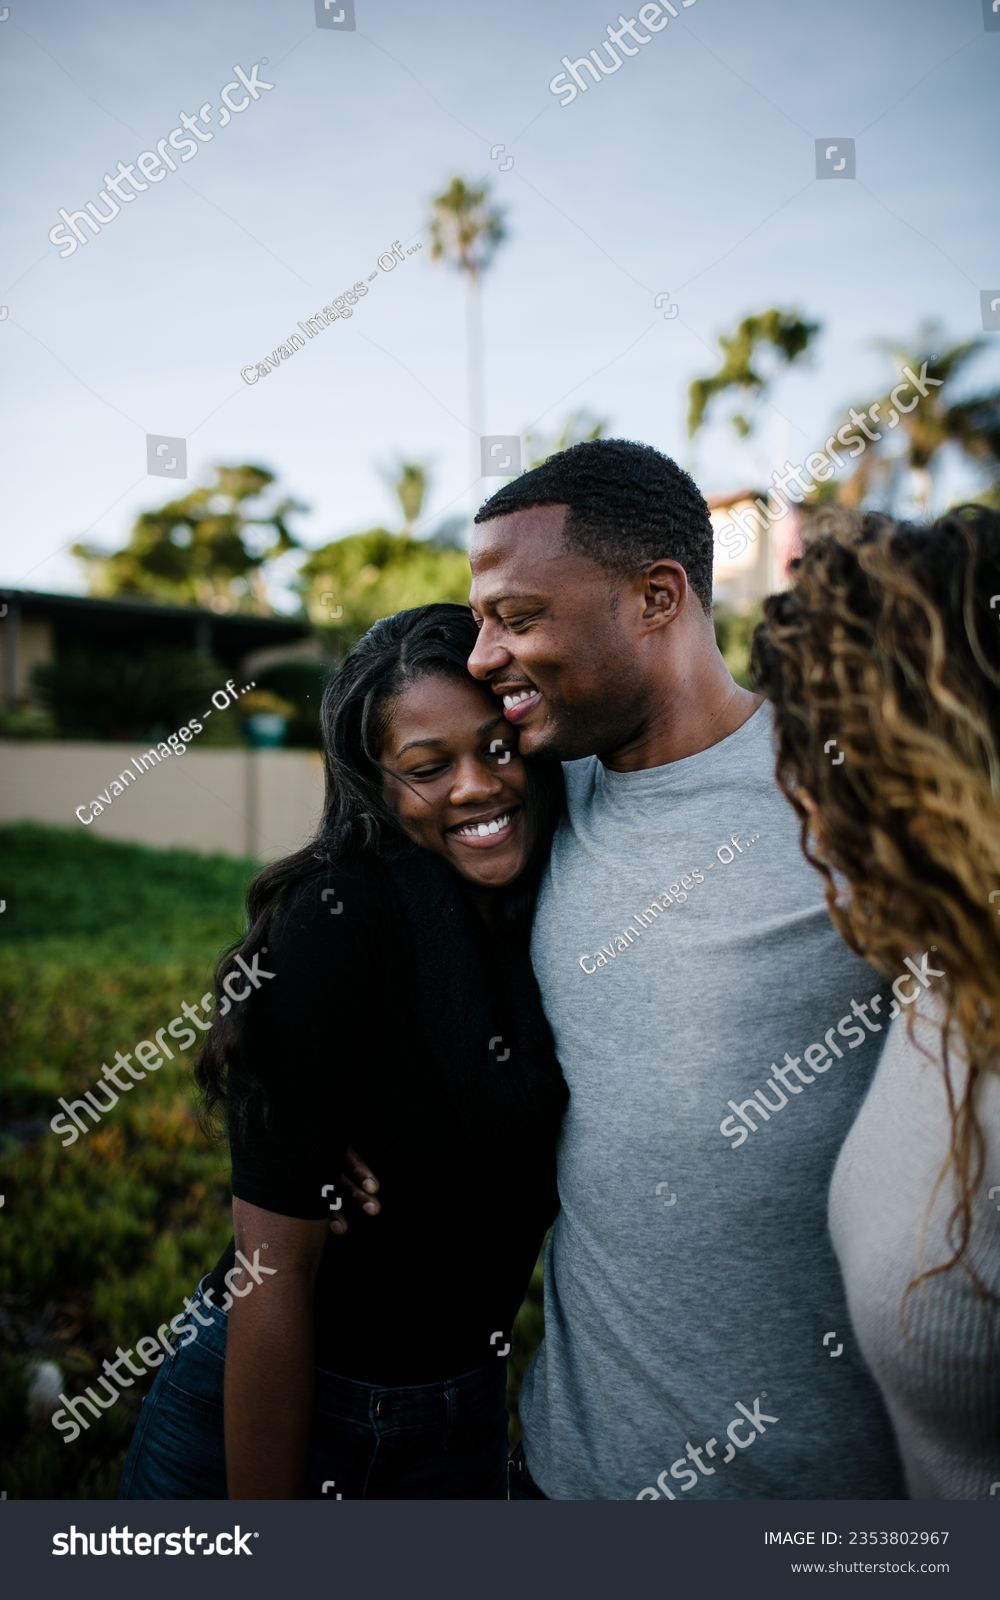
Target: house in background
x=36, y=628
x=752, y=547
x=236, y=800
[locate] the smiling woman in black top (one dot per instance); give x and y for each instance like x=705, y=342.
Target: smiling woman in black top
x=400, y=1015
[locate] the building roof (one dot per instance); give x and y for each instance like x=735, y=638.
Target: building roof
x=722, y=502
x=243, y=627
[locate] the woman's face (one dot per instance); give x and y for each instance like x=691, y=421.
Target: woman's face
x=458, y=785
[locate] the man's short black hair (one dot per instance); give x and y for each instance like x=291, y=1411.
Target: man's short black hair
x=628, y=505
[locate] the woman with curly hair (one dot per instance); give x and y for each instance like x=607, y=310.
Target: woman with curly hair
x=883, y=664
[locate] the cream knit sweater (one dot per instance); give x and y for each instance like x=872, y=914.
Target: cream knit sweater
x=942, y=1381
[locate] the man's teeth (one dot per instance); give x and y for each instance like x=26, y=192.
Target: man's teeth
x=482, y=830
x=515, y=699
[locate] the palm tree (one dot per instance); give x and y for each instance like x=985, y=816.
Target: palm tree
x=579, y=427
x=466, y=230
x=781, y=338
x=938, y=423
x=785, y=333
x=408, y=481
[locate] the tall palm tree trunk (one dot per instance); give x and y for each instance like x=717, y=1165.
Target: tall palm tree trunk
x=474, y=378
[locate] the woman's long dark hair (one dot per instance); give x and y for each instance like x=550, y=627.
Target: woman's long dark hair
x=433, y=640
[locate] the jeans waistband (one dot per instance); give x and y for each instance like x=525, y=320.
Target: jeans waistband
x=471, y=1396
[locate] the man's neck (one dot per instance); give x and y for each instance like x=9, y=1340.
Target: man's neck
x=691, y=717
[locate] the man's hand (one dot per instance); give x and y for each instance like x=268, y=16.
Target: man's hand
x=359, y=1184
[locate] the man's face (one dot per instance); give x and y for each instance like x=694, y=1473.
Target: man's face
x=558, y=637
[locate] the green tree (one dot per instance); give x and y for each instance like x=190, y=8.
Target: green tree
x=208, y=548
x=905, y=461
x=785, y=334
x=351, y=582
x=466, y=230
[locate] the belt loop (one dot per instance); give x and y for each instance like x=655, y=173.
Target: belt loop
x=450, y=1404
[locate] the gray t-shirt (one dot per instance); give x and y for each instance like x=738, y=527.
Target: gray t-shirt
x=697, y=1338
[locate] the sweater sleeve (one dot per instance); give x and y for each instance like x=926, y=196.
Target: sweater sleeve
x=303, y=1042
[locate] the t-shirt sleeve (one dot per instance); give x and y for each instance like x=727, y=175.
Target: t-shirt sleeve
x=320, y=979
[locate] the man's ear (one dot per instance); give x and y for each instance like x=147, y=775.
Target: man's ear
x=664, y=592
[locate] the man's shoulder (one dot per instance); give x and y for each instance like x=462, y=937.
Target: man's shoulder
x=578, y=777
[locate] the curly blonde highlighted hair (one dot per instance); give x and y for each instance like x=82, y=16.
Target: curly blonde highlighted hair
x=886, y=644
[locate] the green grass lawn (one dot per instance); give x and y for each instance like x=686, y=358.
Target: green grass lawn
x=102, y=1241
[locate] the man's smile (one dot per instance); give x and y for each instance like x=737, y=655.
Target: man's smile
x=519, y=699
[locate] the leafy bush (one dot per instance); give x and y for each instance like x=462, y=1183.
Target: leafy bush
x=119, y=694
x=26, y=723
x=99, y=945
x=301, y=683
x=733, y=633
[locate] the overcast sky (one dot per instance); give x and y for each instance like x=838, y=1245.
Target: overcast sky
x=688, y=172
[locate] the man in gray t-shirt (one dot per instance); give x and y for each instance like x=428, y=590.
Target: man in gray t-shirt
x=716, y=1034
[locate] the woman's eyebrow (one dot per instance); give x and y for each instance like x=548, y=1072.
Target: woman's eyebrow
x=414, y=744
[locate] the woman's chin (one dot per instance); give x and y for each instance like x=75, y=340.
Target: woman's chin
x=493, y=874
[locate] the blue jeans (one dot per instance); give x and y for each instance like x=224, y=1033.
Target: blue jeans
x=434, y=1441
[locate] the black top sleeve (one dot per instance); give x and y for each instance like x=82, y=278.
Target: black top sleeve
x=303, y=1041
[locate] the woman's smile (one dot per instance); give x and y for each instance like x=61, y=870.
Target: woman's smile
x=487, y=829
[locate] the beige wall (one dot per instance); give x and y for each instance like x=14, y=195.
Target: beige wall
x=260, y=803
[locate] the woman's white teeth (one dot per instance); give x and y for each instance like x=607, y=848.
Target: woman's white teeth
x=515, y=699
x=482, y=830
